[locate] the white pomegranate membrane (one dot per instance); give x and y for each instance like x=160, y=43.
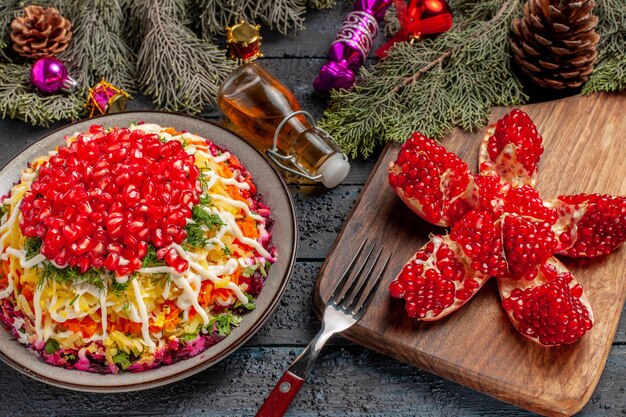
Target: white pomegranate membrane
x=129, y=248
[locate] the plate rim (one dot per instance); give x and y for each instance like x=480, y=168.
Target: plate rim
x=208, y=362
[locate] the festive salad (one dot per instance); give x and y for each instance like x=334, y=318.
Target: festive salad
x=129, y=248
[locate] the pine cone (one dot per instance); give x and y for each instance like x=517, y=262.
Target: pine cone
x=554, y=43
x=40, y=32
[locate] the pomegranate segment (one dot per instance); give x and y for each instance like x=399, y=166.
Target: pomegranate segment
x=437, y=280
x=512, y=148
x=99, y=200
x=551, y=309
x=479, y=235
x=435, y=184
x=589, y=225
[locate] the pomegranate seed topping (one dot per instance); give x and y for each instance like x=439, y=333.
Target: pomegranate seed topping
x=526, y=243
x=106, y=195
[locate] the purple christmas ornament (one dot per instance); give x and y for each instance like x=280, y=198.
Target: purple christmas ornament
x=352, y=45
x=50, y=75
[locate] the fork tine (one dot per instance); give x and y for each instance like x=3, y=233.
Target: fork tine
x=372, y=291
x=356, y=278
x=357, y=296
x=342, y=281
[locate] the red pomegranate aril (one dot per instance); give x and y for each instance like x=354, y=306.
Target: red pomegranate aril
x=111, y=262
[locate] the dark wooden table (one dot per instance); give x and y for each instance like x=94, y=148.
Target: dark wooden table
x=348, y=380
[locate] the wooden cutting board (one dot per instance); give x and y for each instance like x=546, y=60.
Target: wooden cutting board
x=476, y=346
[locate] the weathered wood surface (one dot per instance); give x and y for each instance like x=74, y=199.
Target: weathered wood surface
x=348, y=380
x=555, y=381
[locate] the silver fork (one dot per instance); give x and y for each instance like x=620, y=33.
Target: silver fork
x=342, y=311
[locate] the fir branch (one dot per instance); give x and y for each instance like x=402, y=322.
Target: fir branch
x=98, y=49
x=279, y=15
x=19, y=101
x=9, y=9
x=610, y=71
x=180, y=71
x=430, y=86
x=322, y=4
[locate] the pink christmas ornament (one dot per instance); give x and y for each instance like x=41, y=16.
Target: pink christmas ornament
x=49, y=75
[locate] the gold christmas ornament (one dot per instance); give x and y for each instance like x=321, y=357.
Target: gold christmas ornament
x=40, y=32
x=105, y=98
x=244, y=41
x=554, y=43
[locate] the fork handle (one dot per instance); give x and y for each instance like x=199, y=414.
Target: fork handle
x=281, y=396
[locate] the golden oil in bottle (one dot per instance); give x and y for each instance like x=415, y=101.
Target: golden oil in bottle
x=260, y=106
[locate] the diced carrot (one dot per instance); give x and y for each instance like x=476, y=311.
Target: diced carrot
x=223, y=293
x=85, y=326
x=248, y=227
x=235, y=193
x=172, y=318
x=125, y=326
x=27, y=292
x=172, y=131
x=206, y=297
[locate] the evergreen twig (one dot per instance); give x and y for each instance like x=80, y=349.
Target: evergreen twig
x=19, y=101
x=98, y=49
x=279, y=15
x=430, y=86
x=610, y=71
x=177, y=69
x=8, y=10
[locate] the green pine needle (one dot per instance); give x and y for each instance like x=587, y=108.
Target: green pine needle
x=279, y=15
x=430, y=86
x=177, y=69
x=98, y=48
x=610, y=71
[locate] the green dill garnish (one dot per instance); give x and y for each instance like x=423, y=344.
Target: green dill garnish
x=202, y=217
x=74, y=299
x=32, y=245
x=49, y=272
x=196, y=236
x=226, y=251
x=160, y=279
x=206, y=200
x=51, y=346
x=151, y=259
x=4, y=209
x=224, y=322
x=122, y=359
x=118, y=288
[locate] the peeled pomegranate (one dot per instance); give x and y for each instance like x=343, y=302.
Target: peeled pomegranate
x=500, y=226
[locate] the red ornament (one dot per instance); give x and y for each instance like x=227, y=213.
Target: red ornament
x=420, y=19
